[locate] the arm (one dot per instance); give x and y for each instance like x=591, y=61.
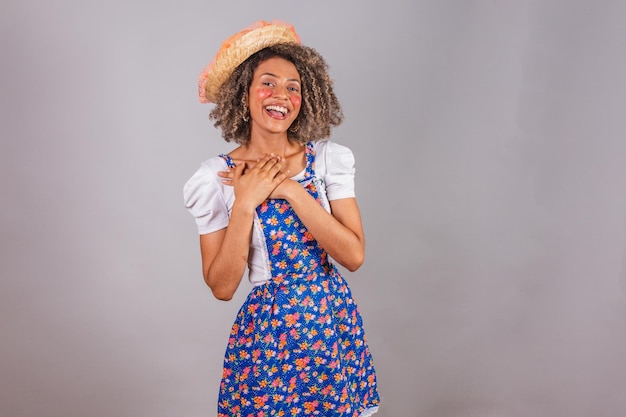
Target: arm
x=340, y=233
x=225, y=252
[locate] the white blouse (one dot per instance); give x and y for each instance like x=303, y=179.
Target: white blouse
x=211, y=202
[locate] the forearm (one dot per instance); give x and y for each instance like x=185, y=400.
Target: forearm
x=225, y=253
x=224, y=274
x=344, y=244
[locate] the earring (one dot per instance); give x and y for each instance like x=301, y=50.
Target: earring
x=294, y=129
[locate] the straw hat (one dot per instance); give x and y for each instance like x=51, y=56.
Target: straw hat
x=237, y=49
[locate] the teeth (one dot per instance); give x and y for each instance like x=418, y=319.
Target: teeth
x=277, y=108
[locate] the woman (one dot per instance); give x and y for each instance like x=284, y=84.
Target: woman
x=282, y=205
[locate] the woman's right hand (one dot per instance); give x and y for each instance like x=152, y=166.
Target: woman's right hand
x=254, y=185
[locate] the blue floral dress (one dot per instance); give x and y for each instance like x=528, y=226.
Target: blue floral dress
x=297, y=347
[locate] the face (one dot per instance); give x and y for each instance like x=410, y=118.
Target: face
x=275, y=96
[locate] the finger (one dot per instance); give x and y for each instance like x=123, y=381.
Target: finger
x=227, y=176
x=262, y=162
x=276, y=168
x=238, y=170
x=269, y=161
x=227, y=173
x=278, y=178
x=275, y=165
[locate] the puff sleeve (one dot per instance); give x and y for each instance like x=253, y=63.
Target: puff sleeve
x=338, y=169
x=204, y=198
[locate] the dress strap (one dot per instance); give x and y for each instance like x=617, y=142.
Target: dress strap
x=228, y=159
x=309, y=172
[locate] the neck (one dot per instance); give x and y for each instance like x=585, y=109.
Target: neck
x=277, y=144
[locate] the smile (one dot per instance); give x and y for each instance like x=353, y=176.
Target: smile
x=277, y=111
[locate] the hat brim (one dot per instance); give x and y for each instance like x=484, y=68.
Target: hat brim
x=236, y=50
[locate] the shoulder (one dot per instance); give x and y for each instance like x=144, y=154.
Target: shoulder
x=331, y=157
x=204, y=180
x=334, y=163
x=205, y=198
x=329, y=147
x=214, y=164
x=206, y=170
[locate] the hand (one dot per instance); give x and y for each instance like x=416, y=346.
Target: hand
x=282, y=190
x=255, y=184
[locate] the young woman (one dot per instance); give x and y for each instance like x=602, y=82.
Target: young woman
x=282, y=204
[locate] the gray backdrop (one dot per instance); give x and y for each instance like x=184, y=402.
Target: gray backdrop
x=491, y=161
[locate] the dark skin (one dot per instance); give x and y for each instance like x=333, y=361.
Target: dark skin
x=263, y=170
x=294, y=159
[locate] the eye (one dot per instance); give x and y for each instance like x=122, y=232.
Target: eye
x=268, y=83
x=294, y=88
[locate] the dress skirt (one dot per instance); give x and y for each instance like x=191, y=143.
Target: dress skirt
x=297, y=348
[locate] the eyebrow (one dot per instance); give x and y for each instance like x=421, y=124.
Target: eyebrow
x=276, y=76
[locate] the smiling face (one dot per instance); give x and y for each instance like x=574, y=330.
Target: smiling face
x=275, y=96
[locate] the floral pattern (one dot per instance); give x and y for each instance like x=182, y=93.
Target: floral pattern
x=297, y=347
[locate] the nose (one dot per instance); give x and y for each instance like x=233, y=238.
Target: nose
x=280, y=91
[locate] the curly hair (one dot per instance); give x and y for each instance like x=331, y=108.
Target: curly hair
x=320, y=108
